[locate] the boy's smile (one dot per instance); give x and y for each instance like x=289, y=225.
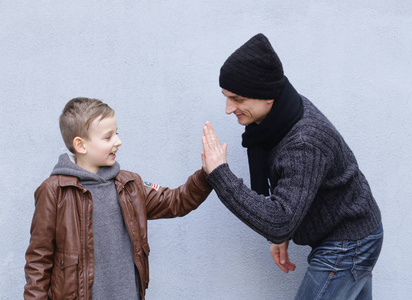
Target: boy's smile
x=101, y=146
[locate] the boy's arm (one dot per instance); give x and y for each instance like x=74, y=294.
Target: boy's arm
x=168, y=203
x=39, y=255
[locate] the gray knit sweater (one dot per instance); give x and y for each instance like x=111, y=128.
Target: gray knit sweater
x=318, y=192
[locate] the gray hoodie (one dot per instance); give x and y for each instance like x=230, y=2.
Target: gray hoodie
x=115, y=276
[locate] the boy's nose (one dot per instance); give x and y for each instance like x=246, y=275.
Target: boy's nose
x=118, y=142
x=230, y=107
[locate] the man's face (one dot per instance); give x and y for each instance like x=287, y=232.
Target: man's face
x=102, y=144
x=247, y=110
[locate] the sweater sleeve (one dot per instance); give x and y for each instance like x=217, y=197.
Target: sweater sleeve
x=300, y=168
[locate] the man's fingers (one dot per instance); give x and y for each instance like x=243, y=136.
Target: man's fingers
x=282, y=267
x=274, y=251
x=289, y=266
x=210, y=127
x=206, y=146
x=211, y=135
x=206, y=134
x=224, y=147
x=292, y=266
x=279, y=254
x=283, y=257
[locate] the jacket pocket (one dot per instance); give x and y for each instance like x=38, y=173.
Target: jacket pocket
x=64, y=278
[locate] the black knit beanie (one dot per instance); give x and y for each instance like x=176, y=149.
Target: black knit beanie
x=253, y=71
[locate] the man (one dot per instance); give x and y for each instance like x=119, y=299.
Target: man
x=305, y=182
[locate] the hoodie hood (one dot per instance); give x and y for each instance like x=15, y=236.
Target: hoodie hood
x=66, y=166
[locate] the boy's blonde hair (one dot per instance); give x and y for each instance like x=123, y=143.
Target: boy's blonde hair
x=77, y=116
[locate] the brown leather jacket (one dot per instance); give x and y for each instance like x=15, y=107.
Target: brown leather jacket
x=60, y=257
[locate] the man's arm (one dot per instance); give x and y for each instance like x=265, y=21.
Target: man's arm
x=278, y=216
x=39, y=255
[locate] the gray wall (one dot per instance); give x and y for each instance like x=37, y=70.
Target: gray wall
x=157, y=64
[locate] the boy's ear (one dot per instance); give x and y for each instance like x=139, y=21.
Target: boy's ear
x=79, y=145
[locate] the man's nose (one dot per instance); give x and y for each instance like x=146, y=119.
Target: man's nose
x=230, y=106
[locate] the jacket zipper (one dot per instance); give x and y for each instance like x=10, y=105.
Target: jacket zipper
x=140, y=267
x=86, y=271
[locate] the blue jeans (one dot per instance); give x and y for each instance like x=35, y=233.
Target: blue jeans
x=342, y=269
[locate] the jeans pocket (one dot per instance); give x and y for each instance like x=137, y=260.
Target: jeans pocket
x=367, y=253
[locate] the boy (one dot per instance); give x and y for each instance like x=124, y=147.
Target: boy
x=89, y=230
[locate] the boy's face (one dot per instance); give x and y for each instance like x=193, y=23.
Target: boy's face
x=101, y=146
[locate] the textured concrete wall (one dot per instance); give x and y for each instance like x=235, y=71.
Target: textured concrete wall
x=157, y=63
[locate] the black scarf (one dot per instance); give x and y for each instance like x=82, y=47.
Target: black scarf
x=260, y=139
